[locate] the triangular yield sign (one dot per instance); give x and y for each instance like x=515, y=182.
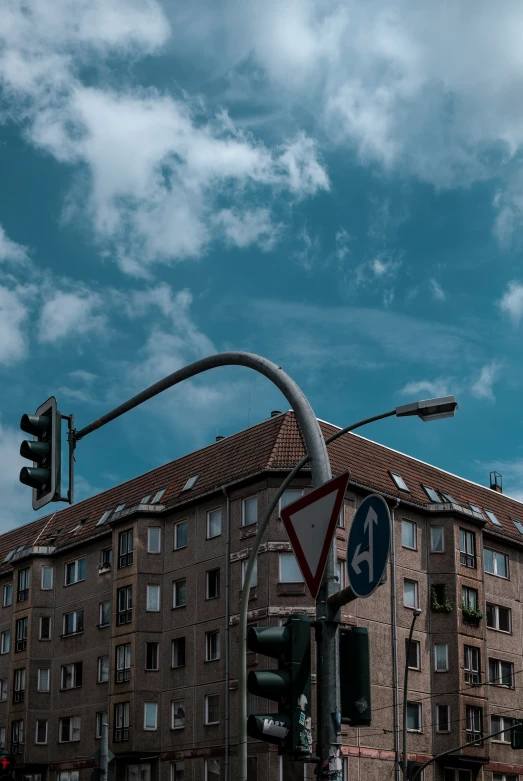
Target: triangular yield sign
x=310, y=523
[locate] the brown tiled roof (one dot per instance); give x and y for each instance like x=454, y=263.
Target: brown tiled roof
x=276, y=443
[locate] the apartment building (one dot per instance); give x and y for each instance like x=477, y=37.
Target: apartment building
x=126, y=606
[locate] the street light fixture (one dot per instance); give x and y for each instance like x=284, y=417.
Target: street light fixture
x=431, y=409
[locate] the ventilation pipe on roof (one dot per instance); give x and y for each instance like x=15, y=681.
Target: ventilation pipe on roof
x=219, y=437
x=275, y=413
x=496, y=482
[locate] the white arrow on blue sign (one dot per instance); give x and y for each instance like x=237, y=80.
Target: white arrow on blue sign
x=368, y=545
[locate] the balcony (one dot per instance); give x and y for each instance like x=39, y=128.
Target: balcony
x=125, y=559
x=23, y=595
x=124, y=617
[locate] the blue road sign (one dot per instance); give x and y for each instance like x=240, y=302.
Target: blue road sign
x=368, y=545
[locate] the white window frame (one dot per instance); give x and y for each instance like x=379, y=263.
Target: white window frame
x=98, y=723
x=446, y=668
x=504, y=737
x=175, y=534
x=40, y=636
x=73, y=672
x=3, y=737
x=438, y=706
x=207, y=593
x=208, y=522
x=415, y=644
x=495, y=554
x=74, y=613
x=281, y=505
x=206, y=766
x=416, y=594
x=42, y=742
x=341, y=568
x=208, y=635
x=146, y=728
x=99, y=668
x=496, y=613
x=51, y=570
x=254, y=576
x=154, y=552
x=149, y=609
x=432, y=549
x=76, y=567
x=498, y=663
x=100, y=615
x=39, y=679
x=420, y=712
x=173, y=703
x=175, y=639
x=207, y=722
x=72, y=721
x=157, y=644
x=8, y=589
x=173, y=769
x=175, y=591
x=244, y=502
x=280, y=557
x=5, y=641
x=415, y=527
x=4, y=689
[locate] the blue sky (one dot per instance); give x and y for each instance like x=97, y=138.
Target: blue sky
x=336, y=186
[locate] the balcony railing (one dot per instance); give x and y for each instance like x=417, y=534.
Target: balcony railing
x=125, y=559
x=123, y=675
x=121, y=734
x=18, y=696
x=124, y=617
x=23, y=595
x=20, y=645
x=17, y=748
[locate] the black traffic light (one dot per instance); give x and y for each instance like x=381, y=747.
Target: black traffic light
x=290, y=685
x=7, y=767
x=355, y=687
x=413, y=769
x=44, y=451
x=516, y=736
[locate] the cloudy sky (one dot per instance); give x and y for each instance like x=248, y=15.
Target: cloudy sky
x=335, y=185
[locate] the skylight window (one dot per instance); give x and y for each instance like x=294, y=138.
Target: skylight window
x=158, y=495
x=77, y=527
x=10, y=555
x=190, y=483
x=120, y=508
x=448, y=497
x=492, y=518
x=518, y=525
x=399, y=481
x=475, y=508
x=146, y=499
x=104, y=517
x=431, y=493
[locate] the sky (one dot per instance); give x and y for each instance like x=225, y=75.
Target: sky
x=336, y=186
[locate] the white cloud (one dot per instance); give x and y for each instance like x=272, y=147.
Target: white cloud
x=13, y=316
x=68, y=314
x=10, y=251
x=248, y=227
x=308, y=254
x=511, y=302
x=482, y=388
x=342, y=240
x=437, y=291
x=432, y=388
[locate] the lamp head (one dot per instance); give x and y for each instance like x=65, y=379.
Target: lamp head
x=430, y=409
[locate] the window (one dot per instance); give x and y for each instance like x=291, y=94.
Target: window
x=341, y=517
x=138, y=772
x=154, y=536
x=212, y=770
x=125, y=605
x=103, y=669
x=448, y=498
x=475, y=508
x=505, y=777
x=180, y=593
x=212, y=709
x=441, y=657
x=474, y=719
x=178, y=652
x=123, y=663
x=5, y=642
x=212, y=577
x=178, y=714
x=17, y=732
x=431, y=493
x=120, y=507
x=121, y=721
x=410, y=593
x=501, y=673
x=69, y=729
x=414, y=653
x=151, y=656
x=74, y=571
x=467, y=548
x=68, y=775
x=399, y=481
x=492, y=518
x=437, y=539
x=71, y=675
x=212, y=645
x=105, y=614
x=73, y=622
x=177, y=771
x=471, y=664
x=47, y=578
x=41, y=731
x=3, y=690
x=190, y=483
x=290, y=495
x=442, y=718
x=469, y=598
x=104, y=517
x=43, y=679
x=125, y=548
x=102, y=717
x=249, y=510
x=2, y=737
x=21, y=634
x=498, y=723
x=289, y=569
x=408, y=534
x=7, y=598
x=254, y=575
x=150, y=715
x=106, y=558
x=496, y=563
x=499, y=618
x=340, y=572
x=153, y=598
x=45, y=628
x=158, y=496
x=214, y=523
x=414, y=716
x=180, y=535
x=19, y=685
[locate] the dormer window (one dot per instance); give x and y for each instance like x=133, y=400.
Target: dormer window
x=158, y=496
x=492, y=518
x=190, y=483
x=431, y=493
x=399, y=481
x=104, y=517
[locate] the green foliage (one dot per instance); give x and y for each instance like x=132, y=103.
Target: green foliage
x=442, y=607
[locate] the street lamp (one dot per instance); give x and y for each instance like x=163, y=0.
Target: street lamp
x=430, y=409
x=416, y=613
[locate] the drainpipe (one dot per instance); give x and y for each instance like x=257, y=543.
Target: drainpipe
x=395, y=673
x=227, y=631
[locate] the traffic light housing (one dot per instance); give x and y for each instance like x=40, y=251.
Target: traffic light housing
x=516, y=736
x=44, y=450
x=412, y=768
x=289, y=685
x=7, y=767
x=355, y=683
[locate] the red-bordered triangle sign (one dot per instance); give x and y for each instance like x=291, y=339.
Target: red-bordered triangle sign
x=310, y=523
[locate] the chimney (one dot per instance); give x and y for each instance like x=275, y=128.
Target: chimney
x=275, y=413
x=219, y=437
x=496, y=482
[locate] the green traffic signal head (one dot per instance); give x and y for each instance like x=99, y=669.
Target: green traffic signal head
x=271, y=641
x=35, y=451
x=44, y=451
x=269, y=683
x=35, y=424
x=34, y=477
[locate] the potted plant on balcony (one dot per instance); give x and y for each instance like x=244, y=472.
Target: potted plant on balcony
x=439, y=601
x=471, y=615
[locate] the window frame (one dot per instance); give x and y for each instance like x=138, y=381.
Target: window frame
x=101, y=624
x=124, y=615
x=8, y=589
x=76, y=631
x=474, y=710
x=76, y=563
x=146, y=728
x=212, y=633
x=148, y=588
x=39, y=679
x=206, y=768
x=175, y=593
x=208, y=522
x=48, y=568
x=414, y=525
x=244, y=502
x=446, y=668
x=173, y=641
x=432, y=549
x=502, y=720
x=42, y=742
x=71, y=720
x=417, y=645
x=126, y=549
x=99, y=668
x=495, y=554
x=416, y=594
x=418, y=705
x=438, y=728
x=24, y=584
x=173, y=703
x=496, y=611
x=99, y=724
x=428, y=489
x=154, y=552
x=76, y=671
x=280, y=558
x=5, y=635
x=399, y=482
x=157, y=646
x=499, y=676
x=254, y=577
x=466, y=557
x=122, y=662
x=40, y=626
x=217, y=578
x=288, y=490
x=472, y=673
x=207, y=722
x=185, y=523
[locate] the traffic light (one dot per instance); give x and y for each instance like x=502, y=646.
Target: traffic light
x=516, y=736
x=290, y=685
x=412, y=768
x=44, y=451
x=355, y=686
x=7, y=767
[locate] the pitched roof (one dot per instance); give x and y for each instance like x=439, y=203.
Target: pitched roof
x=275, y=443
